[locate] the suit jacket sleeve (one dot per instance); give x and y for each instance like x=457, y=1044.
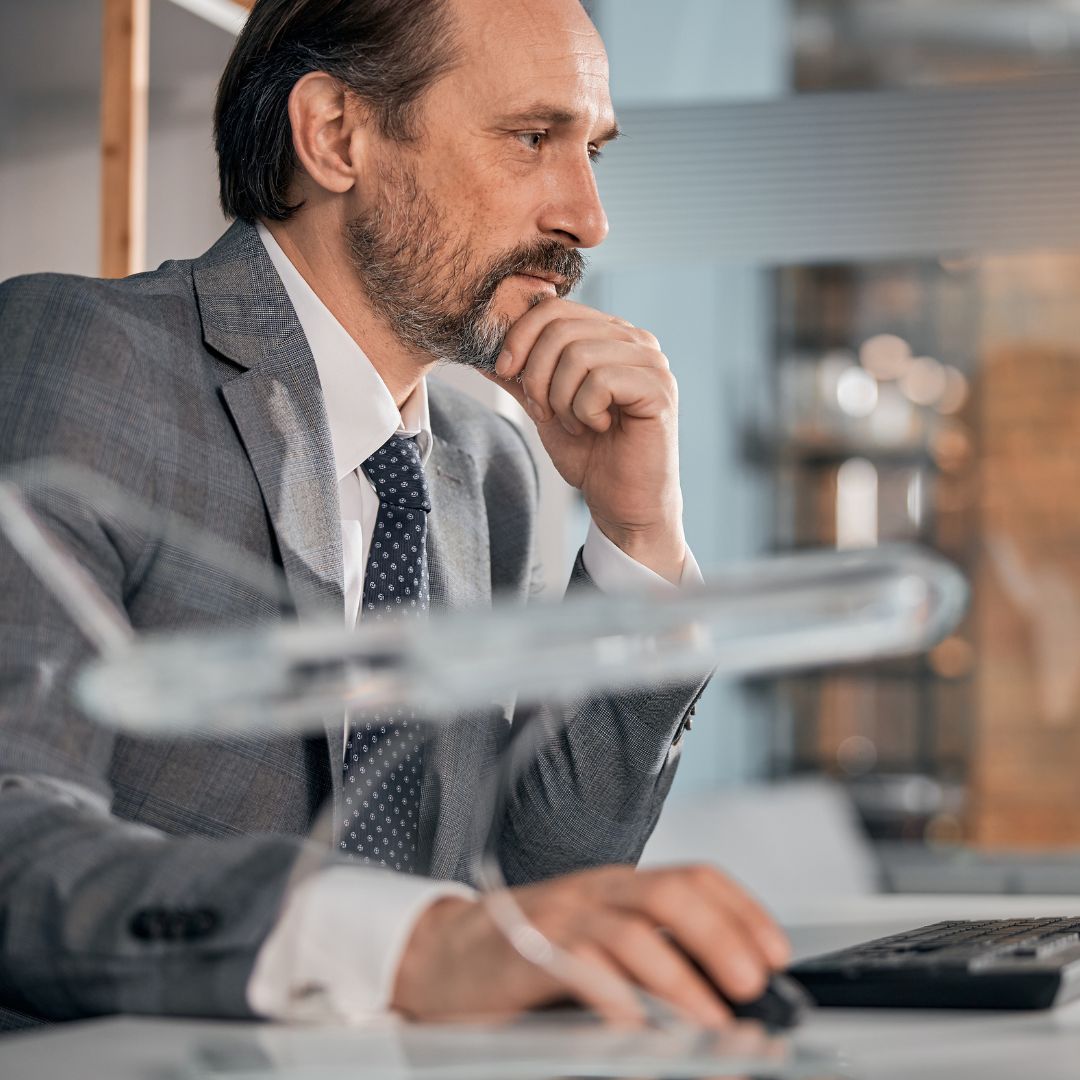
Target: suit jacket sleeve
x=593, y=776
x=98, y=914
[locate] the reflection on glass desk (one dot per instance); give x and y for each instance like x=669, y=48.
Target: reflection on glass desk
x=833, y=1043
x=539, y=1047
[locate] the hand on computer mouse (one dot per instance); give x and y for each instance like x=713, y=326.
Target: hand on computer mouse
x=780, y=1005
x=679, y=933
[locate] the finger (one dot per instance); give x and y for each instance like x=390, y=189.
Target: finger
x=596, y=981
x=758, y=923
x=638, y=392
x=705, y=930
x=523, y=335
x=582, y=357
x=654, y=964
x=550, y=352
x=513, y=387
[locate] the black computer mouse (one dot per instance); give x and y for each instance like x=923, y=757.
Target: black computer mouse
x=783, y=1004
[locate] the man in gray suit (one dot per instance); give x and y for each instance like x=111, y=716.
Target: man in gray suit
x=412, y=183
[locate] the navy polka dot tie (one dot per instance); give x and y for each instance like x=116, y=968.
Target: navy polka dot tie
x=384, y=751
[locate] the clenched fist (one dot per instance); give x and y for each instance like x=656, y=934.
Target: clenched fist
x=606, y=406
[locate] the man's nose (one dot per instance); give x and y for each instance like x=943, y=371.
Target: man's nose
x=576, y=215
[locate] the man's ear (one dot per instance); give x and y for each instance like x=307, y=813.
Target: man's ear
x=329, y=129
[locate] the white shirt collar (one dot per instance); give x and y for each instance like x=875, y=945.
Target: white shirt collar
x=359, y=409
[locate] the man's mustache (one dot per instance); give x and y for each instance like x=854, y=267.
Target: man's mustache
x=542, y=259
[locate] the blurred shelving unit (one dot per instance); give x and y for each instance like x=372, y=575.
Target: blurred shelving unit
x=868, y=443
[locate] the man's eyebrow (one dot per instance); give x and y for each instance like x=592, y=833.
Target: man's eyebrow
x=551, y=116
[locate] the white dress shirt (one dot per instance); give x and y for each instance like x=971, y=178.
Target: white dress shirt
x=335, y=951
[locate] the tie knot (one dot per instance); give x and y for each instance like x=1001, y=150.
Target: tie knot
x=397, y=474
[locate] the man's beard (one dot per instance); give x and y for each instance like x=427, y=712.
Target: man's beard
x=427, y=289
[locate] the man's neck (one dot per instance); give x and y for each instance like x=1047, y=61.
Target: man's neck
x=319, y=260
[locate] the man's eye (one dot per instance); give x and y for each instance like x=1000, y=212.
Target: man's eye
x=595, y=153
x=533, y=139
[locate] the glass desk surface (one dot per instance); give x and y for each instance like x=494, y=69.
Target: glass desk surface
x=876, y=1044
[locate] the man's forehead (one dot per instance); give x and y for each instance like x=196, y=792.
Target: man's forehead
x=522, y=51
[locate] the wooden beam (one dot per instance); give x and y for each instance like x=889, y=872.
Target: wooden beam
x=124, y=92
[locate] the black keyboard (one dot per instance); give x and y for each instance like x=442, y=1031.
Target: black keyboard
x=983, y=964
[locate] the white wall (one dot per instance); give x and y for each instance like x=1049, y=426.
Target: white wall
x=49, y=191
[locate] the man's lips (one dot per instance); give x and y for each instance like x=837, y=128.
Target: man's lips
x=554, y=280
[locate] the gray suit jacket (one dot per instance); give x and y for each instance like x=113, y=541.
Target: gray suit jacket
x=142, y=875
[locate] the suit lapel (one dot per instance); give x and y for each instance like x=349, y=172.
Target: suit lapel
x=459, y=569
x=459, y=549
x=277, y=406
x=279, y=416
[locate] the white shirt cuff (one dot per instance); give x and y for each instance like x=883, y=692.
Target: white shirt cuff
x=335, y=951
x=612, y=570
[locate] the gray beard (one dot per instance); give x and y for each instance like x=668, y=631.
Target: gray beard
x=390, y=263
x=472, y=337
x=394, y=244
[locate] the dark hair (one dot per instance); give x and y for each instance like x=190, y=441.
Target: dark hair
x=388, y=52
